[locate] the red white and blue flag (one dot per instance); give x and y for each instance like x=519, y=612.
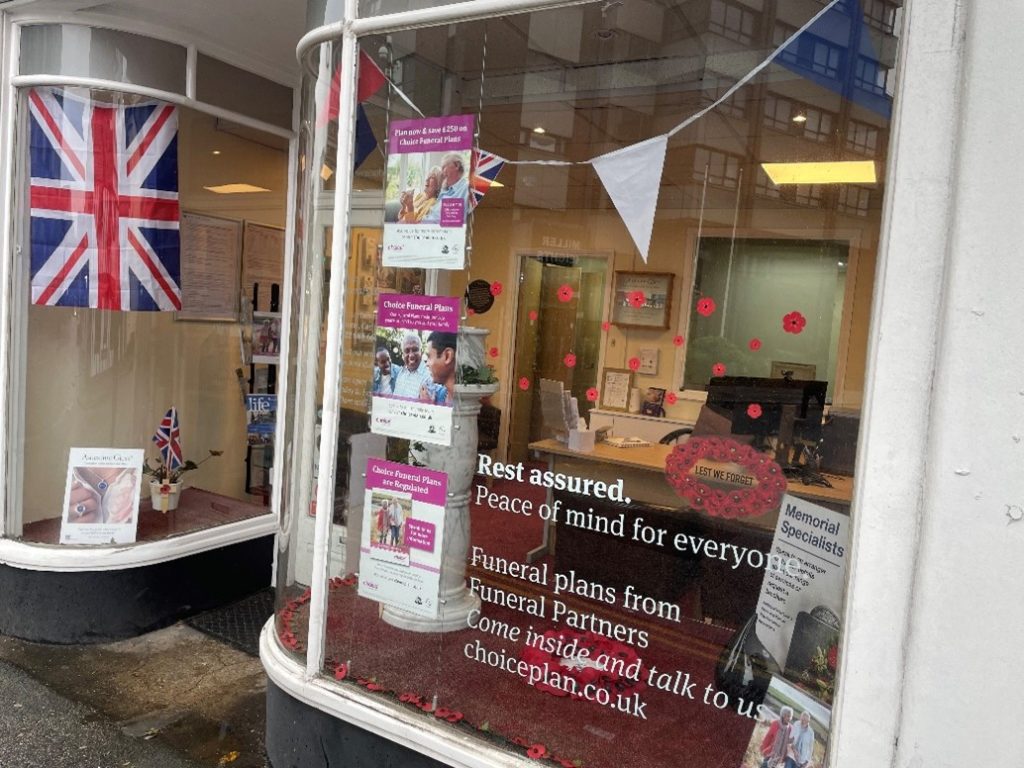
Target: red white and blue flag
x=168, y=440
x=104, y=203
x=485, y=170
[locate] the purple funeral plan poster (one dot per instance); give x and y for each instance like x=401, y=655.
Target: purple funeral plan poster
x=400, y=548
x=426, y=192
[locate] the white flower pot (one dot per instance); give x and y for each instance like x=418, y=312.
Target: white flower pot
x=159, y=491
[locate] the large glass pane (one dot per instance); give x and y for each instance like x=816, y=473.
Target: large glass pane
x=664, y=587
x=223, y=85
x=137, y=283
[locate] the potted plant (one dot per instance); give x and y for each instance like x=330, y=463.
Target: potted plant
x=165, y=483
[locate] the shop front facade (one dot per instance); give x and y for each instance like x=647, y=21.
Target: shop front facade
x=623, y=383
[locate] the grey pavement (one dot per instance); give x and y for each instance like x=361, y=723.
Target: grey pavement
x=41, y=729
x=173, y=698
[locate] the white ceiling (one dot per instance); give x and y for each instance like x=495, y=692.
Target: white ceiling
x=260, y=35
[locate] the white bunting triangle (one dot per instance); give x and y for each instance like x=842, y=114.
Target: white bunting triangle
x=632, y=176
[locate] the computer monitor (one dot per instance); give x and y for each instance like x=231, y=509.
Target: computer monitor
x=790, y=410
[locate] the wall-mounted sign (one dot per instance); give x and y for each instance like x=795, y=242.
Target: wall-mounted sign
x=479, y=297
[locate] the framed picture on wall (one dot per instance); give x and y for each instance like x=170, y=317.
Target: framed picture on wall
x=615, y=386
x=642, y=299
x=654, y=402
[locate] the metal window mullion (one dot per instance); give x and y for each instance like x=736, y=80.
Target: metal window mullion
x=332, y=363
x=284, y=369
x=191, y=57
x=9, y=489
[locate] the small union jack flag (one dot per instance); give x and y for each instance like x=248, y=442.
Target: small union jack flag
x=168, y=440
x=485, y=170
x=104, y=203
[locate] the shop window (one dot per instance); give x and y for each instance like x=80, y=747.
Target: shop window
x=720, y=168
x=737, y=271
x=871, y=75
x=712, y=352
x=880, y=14
x=732, y=21
x=778, y=112
x=223, y=85
x=137, y=321
x=735, y=105
x=861, y=137
x=818, y=124
x=854, y=200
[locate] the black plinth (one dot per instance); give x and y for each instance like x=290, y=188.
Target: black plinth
x=100, y=606
x=301, y=736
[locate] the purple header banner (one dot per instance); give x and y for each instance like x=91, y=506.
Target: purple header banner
x=432, y=134
x=422, y=313
x=422, y=484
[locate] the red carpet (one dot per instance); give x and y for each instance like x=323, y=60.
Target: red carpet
x=504, y=708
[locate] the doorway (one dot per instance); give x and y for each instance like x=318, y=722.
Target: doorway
x=548, y=329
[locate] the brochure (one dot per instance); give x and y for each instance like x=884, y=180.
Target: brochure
x=414, y=367
x=403, y=525
x=101, y=496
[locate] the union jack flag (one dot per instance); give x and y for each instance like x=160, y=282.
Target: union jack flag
x=485, y=170
x=168, y=440
x=104, y=203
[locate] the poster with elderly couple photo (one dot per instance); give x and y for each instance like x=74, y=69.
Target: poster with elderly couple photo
x=426, y=192
x=414, y=367
x=791, y=731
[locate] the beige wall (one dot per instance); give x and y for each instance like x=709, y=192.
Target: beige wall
x=499, y=234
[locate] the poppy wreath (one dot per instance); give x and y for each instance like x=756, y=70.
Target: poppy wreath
x=741, y=502
x=586, y=674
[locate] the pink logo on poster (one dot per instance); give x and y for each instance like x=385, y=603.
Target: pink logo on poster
x=419, y=534
x=453, y=211
x=428, y=313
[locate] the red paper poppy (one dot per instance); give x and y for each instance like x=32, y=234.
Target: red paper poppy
x=565, y=763
x=537, y=752
x=565, y=292
x=454, y=716
x=409, y=698
x=524, y=383
x=470, y=311
x=754, y=411
x=372, y=686
x=569, y=360
x=706, y=306
x=833, y=657
x=493, y=351
x=442, y=712
x=636, y=299
x=678, y=341
x=592, y=394
x=605, y=325
x=533, y=315
x=718, y=369
x=496, y=288
x=754, y=344
x=671, y=398
x=794, y=322
x=634, y=363
x=341, y=672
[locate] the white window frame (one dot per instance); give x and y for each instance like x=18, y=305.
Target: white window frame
x=13, y=324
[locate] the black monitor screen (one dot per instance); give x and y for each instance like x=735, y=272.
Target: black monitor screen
x=732, y=395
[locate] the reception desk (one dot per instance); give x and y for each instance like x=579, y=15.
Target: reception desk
x=726, y=596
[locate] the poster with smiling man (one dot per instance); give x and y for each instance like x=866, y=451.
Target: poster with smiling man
x=414, y=367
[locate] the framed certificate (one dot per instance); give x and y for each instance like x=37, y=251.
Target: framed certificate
x=615, y=386
x=642, y=299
